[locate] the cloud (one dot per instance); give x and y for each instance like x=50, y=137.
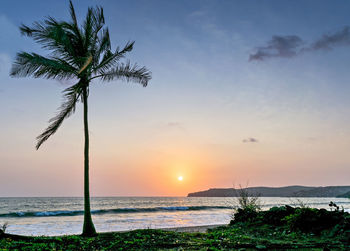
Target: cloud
x=292, y=45
x=207, y=23
x=250, y=140
x=329, y=41
x=197, y=14
x=175, y=125
x=311, y=139
x=278, y=46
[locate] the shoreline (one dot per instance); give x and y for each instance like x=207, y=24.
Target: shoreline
x=189, y=229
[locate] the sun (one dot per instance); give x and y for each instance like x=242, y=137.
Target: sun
x=180, y=178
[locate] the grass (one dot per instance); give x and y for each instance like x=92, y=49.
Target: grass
x=238, y=236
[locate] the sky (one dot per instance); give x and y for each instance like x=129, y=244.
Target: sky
x=242, y=92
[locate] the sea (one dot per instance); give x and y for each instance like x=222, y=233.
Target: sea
x=64, y=215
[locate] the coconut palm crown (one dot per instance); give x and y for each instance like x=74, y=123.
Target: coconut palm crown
x=81, y=53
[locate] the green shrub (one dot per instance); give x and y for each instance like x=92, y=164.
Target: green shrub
x=314, y=220
x=244, y=215
x=276, y=215
x=246, y=200
x=246, y=207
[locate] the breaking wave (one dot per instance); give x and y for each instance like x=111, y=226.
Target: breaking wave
x=110, y=211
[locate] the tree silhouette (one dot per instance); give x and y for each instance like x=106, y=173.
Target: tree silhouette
x=81, y=53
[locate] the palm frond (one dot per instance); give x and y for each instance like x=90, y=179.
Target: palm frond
x=74, y=27
x=58, y=37
x=128, y=73
x=71, y=96
x=109, y=59
x=72, y=13
x=88, y=29
x=102, y=44
x=79, y=52
x=98, y=18
x=93, y=26
x=32, y=64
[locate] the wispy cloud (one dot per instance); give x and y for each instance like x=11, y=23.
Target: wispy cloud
x=175, y=125
x=197, y=14
x=329, y=41
x=204, y=21
x=311, y=139
x=292, y=45
x=278, y=46
x=250, y=140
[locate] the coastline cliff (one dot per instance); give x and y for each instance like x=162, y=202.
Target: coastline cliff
x=287, y=191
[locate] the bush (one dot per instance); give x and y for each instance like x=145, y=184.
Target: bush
x=314, y=220
x=307, y=220
x=276, y=215
x=247, y=206
x=244, y=215
x=246, y=200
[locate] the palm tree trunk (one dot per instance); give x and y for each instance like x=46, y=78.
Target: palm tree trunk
x=88, y=228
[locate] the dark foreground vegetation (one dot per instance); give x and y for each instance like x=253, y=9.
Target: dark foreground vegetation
x=280, y=228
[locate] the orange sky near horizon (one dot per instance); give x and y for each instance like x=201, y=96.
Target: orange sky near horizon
x=129, y=160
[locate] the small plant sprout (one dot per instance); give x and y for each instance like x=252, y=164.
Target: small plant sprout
x=3, y=228
x=246, y=200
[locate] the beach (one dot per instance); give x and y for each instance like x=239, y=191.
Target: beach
x=64, y=216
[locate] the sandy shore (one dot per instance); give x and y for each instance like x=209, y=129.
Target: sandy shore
x=194, y=229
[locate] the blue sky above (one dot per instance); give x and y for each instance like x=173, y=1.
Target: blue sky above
x=205, y=98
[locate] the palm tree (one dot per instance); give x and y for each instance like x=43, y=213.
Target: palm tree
x=81, y=53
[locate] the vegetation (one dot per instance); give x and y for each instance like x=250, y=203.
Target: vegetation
x=283, y=228
x=3, y=228
x=297, y=202
x=246, y=202
x=81, y=53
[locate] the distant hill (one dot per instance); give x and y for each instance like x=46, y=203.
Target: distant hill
x=288, y=191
